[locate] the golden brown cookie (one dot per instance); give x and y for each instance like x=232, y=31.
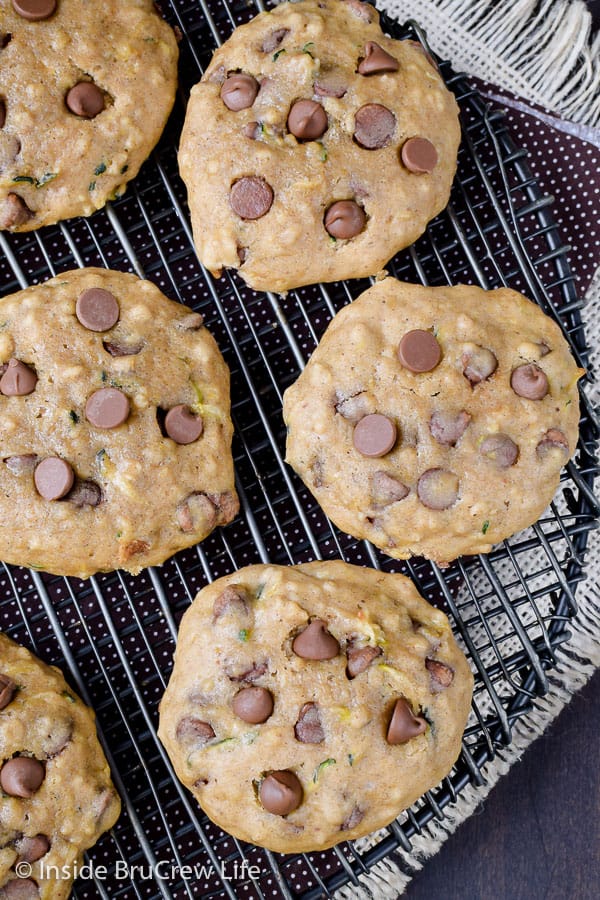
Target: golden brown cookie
x=435, y=421
x=85, y=92
x=115, y=449
x=300, y=692
x=57, y=796
x=320, y=146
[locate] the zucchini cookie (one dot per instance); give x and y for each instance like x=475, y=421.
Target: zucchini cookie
x=320, y=146
x=435, y=421
x=116, y=438
x=311, y=704
x=85, y=92
x=56, y=794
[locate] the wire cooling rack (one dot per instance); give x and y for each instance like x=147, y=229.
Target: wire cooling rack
x=114, y=635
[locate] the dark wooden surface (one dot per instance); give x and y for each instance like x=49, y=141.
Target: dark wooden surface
x=537, y=836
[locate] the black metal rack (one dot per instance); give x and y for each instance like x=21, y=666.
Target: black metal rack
x=114, y=635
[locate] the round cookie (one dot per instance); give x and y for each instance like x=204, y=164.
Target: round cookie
x=116, y=437
x=57, y=795
x=299, y=694
x=85, y=92
x=435, y=421
x=320, y=146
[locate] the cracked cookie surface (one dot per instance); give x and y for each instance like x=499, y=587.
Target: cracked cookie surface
x=435, y=421
x=116, y=436
x=299, y=694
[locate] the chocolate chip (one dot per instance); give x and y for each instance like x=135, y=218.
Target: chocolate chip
x=234, y=599
x=554, y=440
x=344, y=219
x=360, y=658
x=2, y=113
x=374, y=435
x=182, y=425
x=364, y=11
x=97, y=309
x=308, y=728
x=374, y=126
x=354, y=408
x=85, y=493
x=23, y=464
x=419, y=351
x=330, y=84
x=253, y=705
x=419, y=155
x=500, y=449
x=194, y=732
x=256, y=671
x=447, y=427
x=376, y=61
x=353, y=819
x=192, y=322
x=7, y=690
x=197, y=511
x=316, y=642
x=15, y=212
x=273, y=40
x=107, y=408
x=239, y=91
x=442, y=675
x=280, y=792
x=53, y=478
x=22, y=776
x=20, y=889
x=34, y=10
x=18, y=379
x=479, y=364
x=85, y=100
x=252, y=131
x=386, y=489
x=251, y=197
x=307, y=120
x=437, y=488
x=30, y=849
x=120, y=348
x=58, y=737
x=404, y=725
x=530, y=382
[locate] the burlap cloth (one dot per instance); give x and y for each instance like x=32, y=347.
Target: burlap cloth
x=539, y=61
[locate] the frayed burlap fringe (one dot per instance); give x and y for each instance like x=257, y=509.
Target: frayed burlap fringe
x=541, y=50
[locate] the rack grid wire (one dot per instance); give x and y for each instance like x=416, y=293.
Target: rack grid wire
x=114, y=635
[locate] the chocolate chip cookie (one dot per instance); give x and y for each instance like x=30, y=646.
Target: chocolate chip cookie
x=85, y=92
x=435, y=421
x=57, y=797
x=319, y=146
x=116, y=438
x=300, y=693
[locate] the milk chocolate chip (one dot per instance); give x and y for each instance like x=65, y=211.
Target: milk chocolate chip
x=34, y=10
x=20, y=889
x=374, y=435
x=14, y=212
x=530, y=382
x=419, y=156
x=85, y=493
x=376, y=61
x=419, y=351
x=234, y=599
x=442, y=675
x=194, y=731
x=344, y=219
x=479, y=364
x=85, y=99
x=330, y=84
x=251, y=197
x=30, y=849
x=7, y=690
x=501, y=449
x=447, y=428
x=554, y=441
x=273, y=40
x=18, y=379
x=387, y=489
x=24, y=464
x=239, y=91
x=404, y=725
x=307, y=120
x=437, y=488
x=253, y=705
x=316, y=642
x=120, y=348
x=280, y=793
x=182, y=425
x=107, y=408
x=97, y=309
x=353, y=819
x=22, y=776
x=53, y=478
x=360, y=658
x=309, y=729
x=374, y=126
